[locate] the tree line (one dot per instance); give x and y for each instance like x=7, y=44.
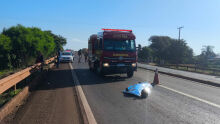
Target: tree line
x=166, y=50
x=20, y=45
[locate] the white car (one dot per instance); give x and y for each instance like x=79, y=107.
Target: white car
x=66, y=57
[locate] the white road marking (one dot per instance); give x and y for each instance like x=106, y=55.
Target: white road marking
x=193, y=97
x=88, y=112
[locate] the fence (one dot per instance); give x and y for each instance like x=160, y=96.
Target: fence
x=194, y=68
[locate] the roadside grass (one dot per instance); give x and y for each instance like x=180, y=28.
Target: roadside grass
x=5, y=72
x=7, y=96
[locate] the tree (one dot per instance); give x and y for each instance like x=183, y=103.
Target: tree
x=160, y=44
x=139, y=48
x=5, y=48
x=25, y=43
x=59, y=40
x=170, y=50
x=145, y=53
x=179, y=52
x=207, y=53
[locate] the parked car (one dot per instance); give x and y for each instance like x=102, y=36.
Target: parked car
x=66, y=57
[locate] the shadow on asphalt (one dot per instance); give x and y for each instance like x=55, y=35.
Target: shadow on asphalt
x=87, y=77
x=133, y=96
x=56, y=78
x=62, y=78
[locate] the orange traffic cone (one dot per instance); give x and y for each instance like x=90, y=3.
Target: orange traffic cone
x=156, y=78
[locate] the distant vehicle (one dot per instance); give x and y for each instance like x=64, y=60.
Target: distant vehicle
x=66, y=57
x=72, y=52
x=113, y=51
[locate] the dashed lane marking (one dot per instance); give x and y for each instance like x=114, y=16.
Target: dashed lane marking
x=193, y=97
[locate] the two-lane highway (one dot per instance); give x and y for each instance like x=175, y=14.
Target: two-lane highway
x=175, y=101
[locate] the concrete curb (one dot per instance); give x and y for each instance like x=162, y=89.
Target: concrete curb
x=187, y=78
x=88, y=117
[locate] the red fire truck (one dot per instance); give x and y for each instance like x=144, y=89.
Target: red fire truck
x=113, y=51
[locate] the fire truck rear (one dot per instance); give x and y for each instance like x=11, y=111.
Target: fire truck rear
x=113, y=51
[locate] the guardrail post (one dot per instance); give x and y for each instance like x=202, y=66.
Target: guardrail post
x=15, y=88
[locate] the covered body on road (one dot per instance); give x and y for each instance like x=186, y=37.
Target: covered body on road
x=142, y=89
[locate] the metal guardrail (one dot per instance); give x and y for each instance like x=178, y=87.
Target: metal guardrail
x=11, y=80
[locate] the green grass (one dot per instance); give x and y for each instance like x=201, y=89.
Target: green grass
x=5, y=72
x=5, y=97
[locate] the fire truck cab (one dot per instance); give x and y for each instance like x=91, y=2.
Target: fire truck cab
x=113, y=51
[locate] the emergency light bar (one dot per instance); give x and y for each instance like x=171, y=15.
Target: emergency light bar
x=116, y=30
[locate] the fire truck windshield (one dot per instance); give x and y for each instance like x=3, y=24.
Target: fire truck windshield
x=120, y=45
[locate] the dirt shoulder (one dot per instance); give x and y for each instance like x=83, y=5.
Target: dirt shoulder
x=53, y=102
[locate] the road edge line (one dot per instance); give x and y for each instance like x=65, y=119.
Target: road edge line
x=185, y=77
x=88, y=117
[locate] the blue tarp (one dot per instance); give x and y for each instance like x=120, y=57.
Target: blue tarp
x=136, y=89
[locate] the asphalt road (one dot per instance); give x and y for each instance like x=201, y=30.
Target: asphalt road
x=53, y=102
x=175, y=101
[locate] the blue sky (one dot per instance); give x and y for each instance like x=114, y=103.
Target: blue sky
x=78, y=19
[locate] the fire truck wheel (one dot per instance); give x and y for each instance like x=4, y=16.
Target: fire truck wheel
x=99, y=71
x=130, y=74
x=90, y=68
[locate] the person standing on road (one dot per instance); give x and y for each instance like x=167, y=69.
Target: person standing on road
x=79, y=54
x=40, y=59
x=58, y=58
x=86, y=55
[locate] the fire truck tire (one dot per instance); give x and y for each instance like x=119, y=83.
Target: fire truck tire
x=90, y=68
x=99, y=71
x=130, y=74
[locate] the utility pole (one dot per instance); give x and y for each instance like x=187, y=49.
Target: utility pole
x=179, y=28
